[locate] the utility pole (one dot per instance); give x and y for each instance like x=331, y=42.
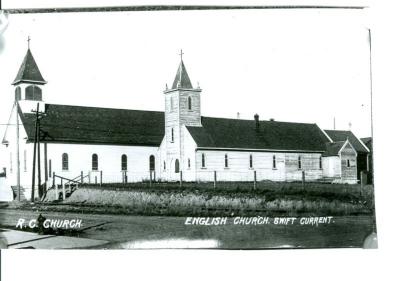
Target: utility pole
x=34, y=155
x=38, y=158
x=18, y=163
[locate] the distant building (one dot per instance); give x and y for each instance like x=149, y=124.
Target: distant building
x=115, y=145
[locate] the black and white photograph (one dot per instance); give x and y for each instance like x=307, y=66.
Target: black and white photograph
x=186, y=128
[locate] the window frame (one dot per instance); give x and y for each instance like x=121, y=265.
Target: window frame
x=274, y=162
x=299, y=163
x=251, y=161
x=226, y=162
x=124, y=162
x=189, y=103
x=203, y=160
x=65, y=162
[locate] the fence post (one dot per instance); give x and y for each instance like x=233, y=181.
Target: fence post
x=54, y=179
x=255, y=179
x=303, y=179
x=101, y=178
x=56, y=188
x=126, y=177
x=81, y=177
x=215, y=179
x=180, y=179
x=63, y=191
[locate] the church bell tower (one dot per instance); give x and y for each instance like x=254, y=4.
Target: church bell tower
x=28, y=84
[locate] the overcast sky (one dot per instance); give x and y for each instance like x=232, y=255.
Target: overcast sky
x=291, y=65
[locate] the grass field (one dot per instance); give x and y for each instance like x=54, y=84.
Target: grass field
x=233, y=198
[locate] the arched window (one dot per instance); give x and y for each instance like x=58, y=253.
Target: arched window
x=203, y=160
x=33, y=93
x=18, y=93
x=274, y=162
x=176, y=166
x=226, y=161
x=320, y=162
x=172, y=134
x=152, y=162
x=189, y=103
x=124, y=162
x=299, y=162
x=251, y=161
x=95, y=162
x=65, y=162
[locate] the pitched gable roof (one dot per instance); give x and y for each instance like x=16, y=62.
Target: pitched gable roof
x=29, y=71
x=338, y=135
x=333, y=148
x=182, y=79
x=93, y=125
x=273, y=135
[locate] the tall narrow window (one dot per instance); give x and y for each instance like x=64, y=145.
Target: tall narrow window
x=95, y=162
x=18, y=93
x=50, y=169
x=226, y=161
x=124, y=162
x=189, y=103
x=348, y=163
x=203, y=160
x=320, y=162
x=251, y=161
x=176, y=166
x=189, y=163
x=24, y=160
x=152, y=163
x=172, y=134
x=299, y=162
x=164, y=166
x=274, y=162
x=65, y=162
x=171, y=104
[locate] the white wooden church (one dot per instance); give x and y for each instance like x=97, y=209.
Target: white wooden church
x=116, y=145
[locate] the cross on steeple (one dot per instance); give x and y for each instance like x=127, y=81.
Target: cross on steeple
x=29, y=41
x=181, y=54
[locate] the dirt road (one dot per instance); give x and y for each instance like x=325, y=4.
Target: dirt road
x=124, y=230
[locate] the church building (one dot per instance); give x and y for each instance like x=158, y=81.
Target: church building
x=118, y=145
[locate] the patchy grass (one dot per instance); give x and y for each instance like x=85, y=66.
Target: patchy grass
x=235, y=198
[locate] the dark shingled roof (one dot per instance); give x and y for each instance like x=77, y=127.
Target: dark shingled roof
x=29, y=71
x=337, y=135
x=238, y=133
x=333, y=148
x=182, y=79
x=78, y=124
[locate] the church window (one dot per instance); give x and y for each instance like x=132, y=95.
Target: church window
x=348, y=163
x=152, y=163
x=18, y=93
x=274, y=162
x=95, y=162
x=251, y=161
x=176, y=166
x=124, y=162
x=65, y=162
x=203, y=160
x=189, y=103
x=172, y=134
x=299, y=162
x=33, y=93
x=164, y=166
x=226, y=161
x=320, y=162
x=188, y=163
